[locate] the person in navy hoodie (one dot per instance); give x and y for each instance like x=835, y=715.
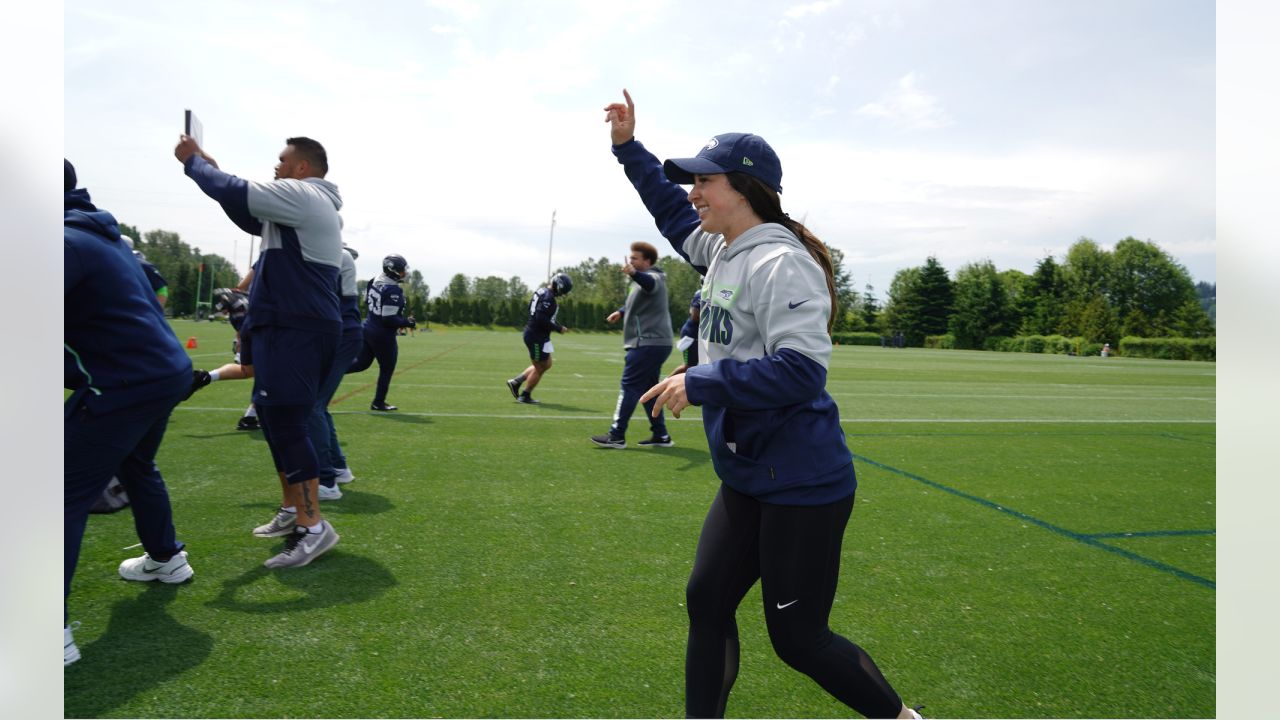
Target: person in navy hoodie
x=294, y=320
x=774, y=434
x=127, y=371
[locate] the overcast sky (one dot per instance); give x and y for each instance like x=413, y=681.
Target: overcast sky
x=993, y=129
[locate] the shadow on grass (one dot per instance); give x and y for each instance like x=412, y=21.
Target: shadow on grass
x=567, y=408
x=397, y=417
x=338, y=578
x=251, y=434
x=143, y=647
x=693, y=457
x=357, y=501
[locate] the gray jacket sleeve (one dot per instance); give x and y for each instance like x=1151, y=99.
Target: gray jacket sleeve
x=792, y=306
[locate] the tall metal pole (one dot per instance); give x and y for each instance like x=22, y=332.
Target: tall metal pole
x=550, y=242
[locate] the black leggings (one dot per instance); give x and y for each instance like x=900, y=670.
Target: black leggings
x=795, y=553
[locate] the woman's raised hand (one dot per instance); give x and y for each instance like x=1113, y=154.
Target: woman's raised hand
x=621, y=119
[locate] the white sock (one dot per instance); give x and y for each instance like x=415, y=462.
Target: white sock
x=291, y=509
x=251, y=411
x=315, y=529
x=213, y=376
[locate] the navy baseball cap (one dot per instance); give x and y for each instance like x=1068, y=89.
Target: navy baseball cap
x=730, y=152
x=68, y=176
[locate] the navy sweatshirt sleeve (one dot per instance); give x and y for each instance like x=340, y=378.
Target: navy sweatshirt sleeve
x=644, y=280
x=231, y=192
x=784, y=378
x=666, y=201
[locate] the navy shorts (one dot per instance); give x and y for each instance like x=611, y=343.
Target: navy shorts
x=539, y=351
x=289, y=364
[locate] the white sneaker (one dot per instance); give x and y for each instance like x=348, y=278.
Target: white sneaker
x=280, y=525
x=70, y=653
x=302, y=547
x=144, y=569
x=342, y=476
x=330, y=493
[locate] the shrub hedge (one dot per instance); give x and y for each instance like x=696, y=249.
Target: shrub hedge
x=855, y=338
x=1170, y=348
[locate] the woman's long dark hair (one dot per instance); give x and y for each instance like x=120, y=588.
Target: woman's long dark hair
x=766, y=204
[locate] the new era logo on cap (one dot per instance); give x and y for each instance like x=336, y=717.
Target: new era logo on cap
x=730, y=152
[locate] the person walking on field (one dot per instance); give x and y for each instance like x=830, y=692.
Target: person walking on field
x=646, y=335
x=787, y=476
x=294, y=320
x=537, y=337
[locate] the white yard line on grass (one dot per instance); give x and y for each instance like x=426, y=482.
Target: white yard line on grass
x=541, y=416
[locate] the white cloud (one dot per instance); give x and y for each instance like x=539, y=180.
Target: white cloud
x=908, y=107
x=796, y=12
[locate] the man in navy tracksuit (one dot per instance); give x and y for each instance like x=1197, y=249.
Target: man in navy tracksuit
x=646, y=335
x=333, y=464
x=385, y=303
x=126, y=371
x=294, y=320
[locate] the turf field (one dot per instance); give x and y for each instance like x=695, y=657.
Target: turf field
x=1033, y=537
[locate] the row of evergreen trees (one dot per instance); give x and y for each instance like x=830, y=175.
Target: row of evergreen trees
x=1135, y=289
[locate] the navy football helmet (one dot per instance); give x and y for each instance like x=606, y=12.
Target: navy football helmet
x=395, y=266
x=561, y=284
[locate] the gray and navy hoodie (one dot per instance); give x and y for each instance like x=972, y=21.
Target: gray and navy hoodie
x=773, y=431
x=296, y=278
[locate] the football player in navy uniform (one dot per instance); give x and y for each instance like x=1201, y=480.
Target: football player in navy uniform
x=115, y=418
x=385, y=303
x=537, y=336
x=294, y=320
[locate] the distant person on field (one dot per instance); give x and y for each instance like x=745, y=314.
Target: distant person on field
x=646, y=336
x=1106, y=349
x=158, y=284
x=688, y=343
x=537, y=336
x=115, y=418
x=235, y=303
x=386, y=305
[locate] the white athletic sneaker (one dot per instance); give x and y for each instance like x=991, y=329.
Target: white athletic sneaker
x=342, y=476
x=302, y=547
x=282, y=524
x=70, y=653
x=330, y=493
x=144, y=569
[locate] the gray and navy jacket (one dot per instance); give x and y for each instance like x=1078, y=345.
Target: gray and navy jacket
x=386, y=304
x=542, y=317
x=295, y=283
x=349, y=296
x=646, y=319
x=118, y=351
x=773, y=431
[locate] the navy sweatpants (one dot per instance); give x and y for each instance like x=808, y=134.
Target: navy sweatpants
x=122, y=443
x=641, y=372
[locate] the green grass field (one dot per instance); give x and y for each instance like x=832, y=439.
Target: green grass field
x=1033, y=537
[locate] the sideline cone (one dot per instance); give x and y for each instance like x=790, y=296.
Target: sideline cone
x=191, y=342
